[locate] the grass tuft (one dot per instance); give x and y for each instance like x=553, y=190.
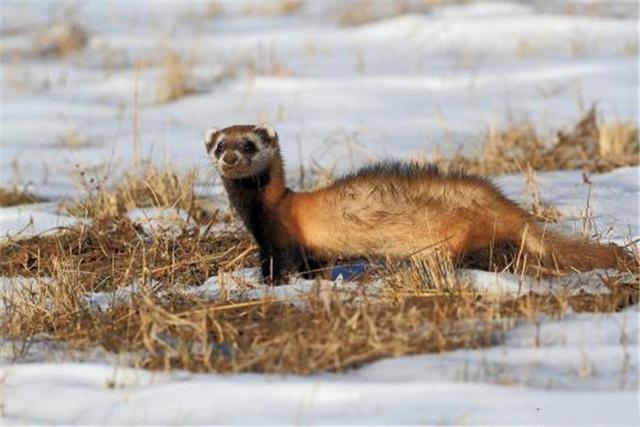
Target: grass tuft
x=153, y=187
x=589, y=146
x=360, y=12
x=14, y=196
x=62, y=39
x=73, y=139
x=273, y=8
x=174, y=82
x=618, y=140
x=112, y=253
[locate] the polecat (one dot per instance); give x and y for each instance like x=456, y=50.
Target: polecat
x=389, y=209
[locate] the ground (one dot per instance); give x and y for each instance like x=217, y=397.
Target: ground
x=343, y=83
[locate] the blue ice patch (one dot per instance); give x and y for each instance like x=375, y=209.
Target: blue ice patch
x=349, y=271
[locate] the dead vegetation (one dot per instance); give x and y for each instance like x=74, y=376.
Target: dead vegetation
x=61, y=39
x=174, y=82
x=322, y=331
x=273, y=8
x=153, y=187
x=14, y=196
x=111, y=253
x=178, y=77
x=264, y=61
x=359, y=12
x=589, y=146
x=422, y=306
x=72, y=138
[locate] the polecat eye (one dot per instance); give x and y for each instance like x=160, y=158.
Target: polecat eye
x=218, y=150
x=249, y=147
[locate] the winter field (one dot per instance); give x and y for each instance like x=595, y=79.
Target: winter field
x=130, y=292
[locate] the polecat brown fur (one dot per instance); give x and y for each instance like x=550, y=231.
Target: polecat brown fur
x=390, y=209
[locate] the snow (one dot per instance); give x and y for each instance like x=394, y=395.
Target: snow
x=583, y=372
x=338, y=96
x=509, y=284
x=33, y=219
x=102, y=301
x=246, y=284
x=400, y=86
x=613, y=198
x=160, y=220
x=12, y=287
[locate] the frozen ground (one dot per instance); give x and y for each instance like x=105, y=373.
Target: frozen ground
x=337, y=95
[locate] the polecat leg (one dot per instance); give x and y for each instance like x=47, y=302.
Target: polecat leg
x=276, y=262
x=310, y=266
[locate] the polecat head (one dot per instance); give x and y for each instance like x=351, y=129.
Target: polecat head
x=242, y=151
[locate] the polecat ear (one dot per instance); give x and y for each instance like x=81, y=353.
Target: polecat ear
x=209, y=138
x=266, y=132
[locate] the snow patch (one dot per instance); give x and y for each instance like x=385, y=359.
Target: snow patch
x=170, y=221
x=20, y=222
x=509, y=284
x=247, y=284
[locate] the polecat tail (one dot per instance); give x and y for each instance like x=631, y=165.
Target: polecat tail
x=565, y=253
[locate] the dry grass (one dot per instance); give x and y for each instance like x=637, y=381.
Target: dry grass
x=61, y=39
x=14, y=196
x=539, y=208
x=324, y=331
x=588, y=146
x=152, y=187
x=214, y=9
x=597, y=9
x=423, y=306
x=273, y=8
x=111, y=253
x=73, y=139
x=630, y=48
x=618, y=140
x=359, y=12
x=174, y=82
x=264, y=335
x=264, y=61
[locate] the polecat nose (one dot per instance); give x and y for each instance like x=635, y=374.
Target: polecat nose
x=230, y=157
